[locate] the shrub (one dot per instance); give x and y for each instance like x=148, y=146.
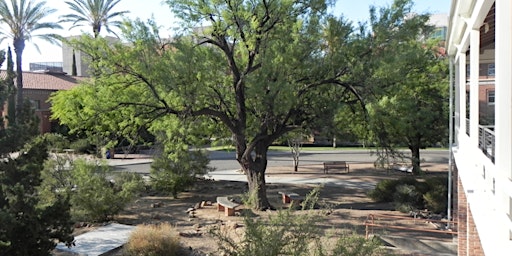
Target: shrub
x=96, y=194
x=436, y=199
x=290, y=232
x=173, y=174
x=356, y=245
x=409, y=194
x=406, y=198
x=82, y=146
x=161, y=239
x=96, y=197
x=384, y=191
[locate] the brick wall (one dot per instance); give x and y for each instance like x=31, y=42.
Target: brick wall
x=468, y=239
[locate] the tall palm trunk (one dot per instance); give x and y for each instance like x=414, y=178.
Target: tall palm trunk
x=19, y=46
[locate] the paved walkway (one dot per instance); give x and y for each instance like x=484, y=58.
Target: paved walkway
x=99, y=241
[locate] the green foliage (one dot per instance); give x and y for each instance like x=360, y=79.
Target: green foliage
x=406, y=198
x=151, y=240
x=56, y=142
x=97, y=198
x=356, y=245
x=286, y=233
x=407, y=89
x=291, y=232
x=383, y=191
x=17, y=134
x=436, y=198
x=409, y=193
x=96, y=193
x=173, y=173
x=30, y=225
x=82, y=145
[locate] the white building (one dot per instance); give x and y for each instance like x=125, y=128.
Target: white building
x=480, y=48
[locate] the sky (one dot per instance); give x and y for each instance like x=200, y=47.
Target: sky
x=354, y=10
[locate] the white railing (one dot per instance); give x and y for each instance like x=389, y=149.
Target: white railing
x=486, y=140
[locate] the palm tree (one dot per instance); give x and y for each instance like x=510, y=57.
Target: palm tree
x=21, y=20
x=95, y=13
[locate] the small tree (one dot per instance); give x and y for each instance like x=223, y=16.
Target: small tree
x=30, y=225
x=95, y=192
x=173, y=173
x=295, y=142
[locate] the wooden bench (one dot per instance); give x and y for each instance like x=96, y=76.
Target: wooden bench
x=290, y=197
x=224, y=204
x=340, y=165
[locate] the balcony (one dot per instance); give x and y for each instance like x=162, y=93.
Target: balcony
x=486, y=140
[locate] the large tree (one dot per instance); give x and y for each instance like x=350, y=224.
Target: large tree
x=259, y=70
x=407, y=107
x=21, y=21
x=94, y=13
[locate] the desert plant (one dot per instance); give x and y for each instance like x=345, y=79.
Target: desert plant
x=384, y=191
x=406, y=198
x=96, y=197
x=356, y=245
x=436, y=198
x=410, y=194
x=96, y=193
x=173, y=174
x=148, y=240
x=286, y=233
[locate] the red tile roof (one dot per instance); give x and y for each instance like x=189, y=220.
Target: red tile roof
x=47, y=81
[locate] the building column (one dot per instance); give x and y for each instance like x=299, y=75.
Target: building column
x=503, y=91
x=461, y=87
x=474, y=65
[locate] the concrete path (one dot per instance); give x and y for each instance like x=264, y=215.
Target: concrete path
x=236, y=175
x=99, y=241
x=423, y=247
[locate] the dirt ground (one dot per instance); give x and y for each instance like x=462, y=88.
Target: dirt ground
x=345, y=208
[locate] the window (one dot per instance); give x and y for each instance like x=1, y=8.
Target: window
x=490, y=69
x=490, y=97
x=36, y=104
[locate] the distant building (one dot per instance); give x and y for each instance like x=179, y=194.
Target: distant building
x=46, y=66
x=37, y=87
x=82, y=60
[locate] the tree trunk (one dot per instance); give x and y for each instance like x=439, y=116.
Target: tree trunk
x=258, y=188
x=415, y=152
x=254, y=167
x=19, y=46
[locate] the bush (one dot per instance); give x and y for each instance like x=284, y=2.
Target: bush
x=96, y=197
x=290, y=233
x=384, y=191
x=96, y=194
x=173, y=174
x=409, y=194
x=406, y=198
x=82, y=146
x=436, y=199
x=161, y=239
x=355, y=245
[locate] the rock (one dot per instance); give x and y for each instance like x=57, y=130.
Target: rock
x=232, y=225
x=156, y=205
